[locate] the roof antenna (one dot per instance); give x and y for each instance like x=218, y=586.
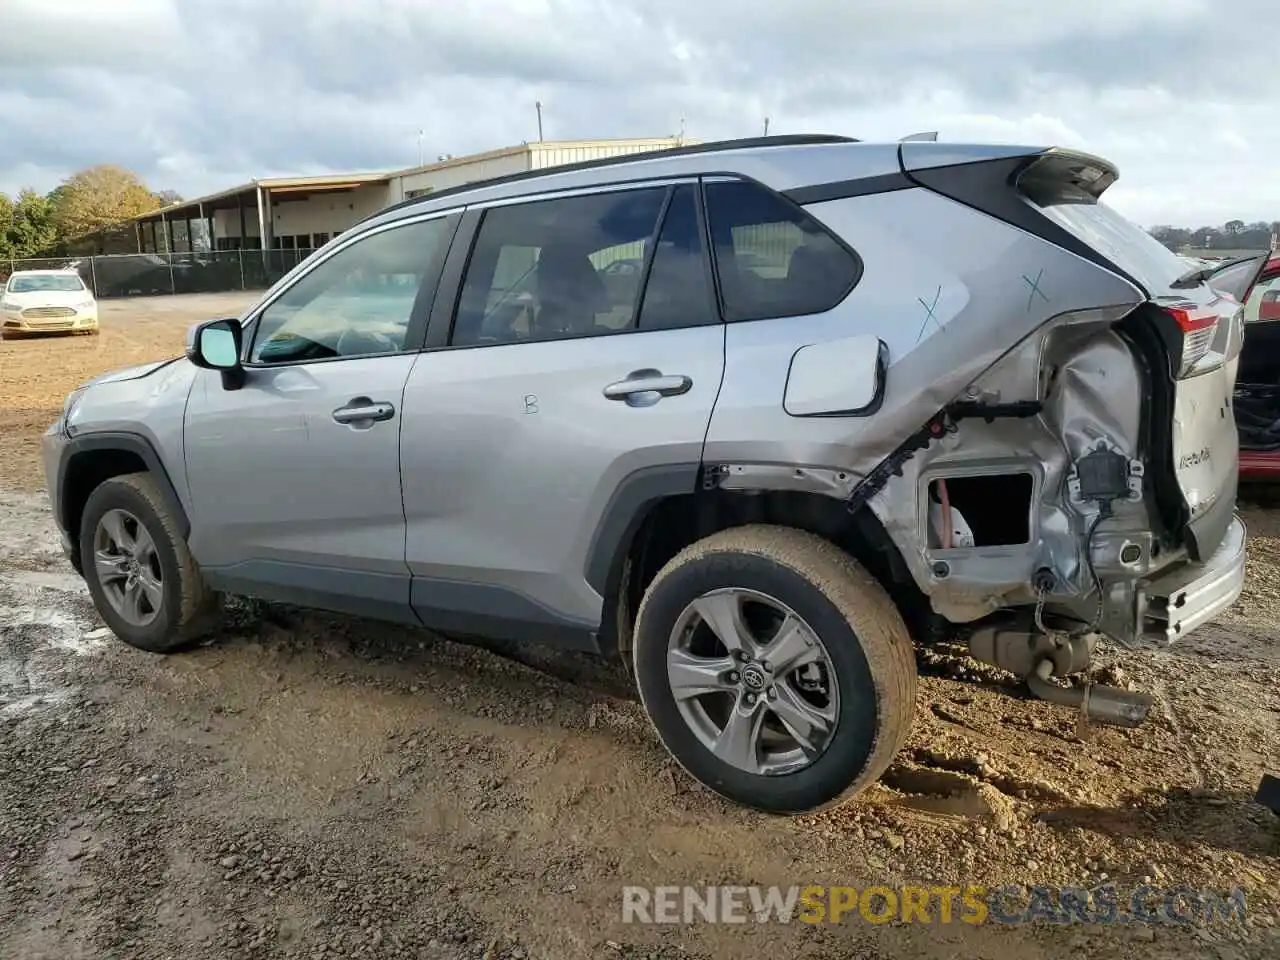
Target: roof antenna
x=929, y=137
x=537, y=105
x=766, y=126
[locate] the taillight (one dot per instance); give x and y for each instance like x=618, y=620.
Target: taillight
x=1199, y=328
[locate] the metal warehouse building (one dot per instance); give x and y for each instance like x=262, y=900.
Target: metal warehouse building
x=302, y=213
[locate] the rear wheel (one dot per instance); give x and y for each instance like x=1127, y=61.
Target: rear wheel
x=142, y=577
x=774, y=668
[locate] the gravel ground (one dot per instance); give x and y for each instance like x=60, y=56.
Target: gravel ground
x=312, y=786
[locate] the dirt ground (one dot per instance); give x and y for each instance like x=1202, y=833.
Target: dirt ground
x=313, y=786
x=37, y=373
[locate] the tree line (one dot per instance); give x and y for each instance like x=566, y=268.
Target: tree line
x=33, y=224
x=1232, y=235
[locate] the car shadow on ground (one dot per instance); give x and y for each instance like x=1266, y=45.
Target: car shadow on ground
x=412, y=650
x=1224, y=819
x=252, y=620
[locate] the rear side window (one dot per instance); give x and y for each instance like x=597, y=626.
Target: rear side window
x=774, y=260
x=550, y=269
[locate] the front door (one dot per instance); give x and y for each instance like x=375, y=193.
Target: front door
x=563, y=388
x=295, y=476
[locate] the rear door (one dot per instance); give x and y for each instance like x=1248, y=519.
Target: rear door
x=557, y=402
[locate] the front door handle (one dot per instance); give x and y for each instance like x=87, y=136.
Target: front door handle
x=362, y=410
x=643, y=388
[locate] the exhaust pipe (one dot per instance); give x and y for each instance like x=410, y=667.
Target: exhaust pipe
x=1103, y=704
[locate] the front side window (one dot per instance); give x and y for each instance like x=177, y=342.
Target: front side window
x=357, y=302
x=565, y=267
x=774, y=260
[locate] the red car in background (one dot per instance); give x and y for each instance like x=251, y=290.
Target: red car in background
x=1269, y=306
x=1257, y=396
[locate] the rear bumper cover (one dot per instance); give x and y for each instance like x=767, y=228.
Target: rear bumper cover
x=1195, y=593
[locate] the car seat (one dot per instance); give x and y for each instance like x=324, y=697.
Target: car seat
x=570, y=294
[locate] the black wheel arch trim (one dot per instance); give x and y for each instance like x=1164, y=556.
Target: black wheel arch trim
x=117, y=441
x=626, y=510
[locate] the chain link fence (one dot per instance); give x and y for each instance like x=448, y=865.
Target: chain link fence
x=156, y=274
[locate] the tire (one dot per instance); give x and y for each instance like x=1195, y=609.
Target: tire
x=178, y=607
x=840, y=608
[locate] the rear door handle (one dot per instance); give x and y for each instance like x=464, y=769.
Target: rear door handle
x=361, y=410
x=643, y=388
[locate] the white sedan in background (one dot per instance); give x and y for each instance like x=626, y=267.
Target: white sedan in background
x=47, y=301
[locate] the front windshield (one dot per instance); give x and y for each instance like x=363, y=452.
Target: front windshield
x=45, y=283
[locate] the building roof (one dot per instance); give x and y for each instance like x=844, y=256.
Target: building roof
x=230, y=198
x=530, y=146
x=300, y=187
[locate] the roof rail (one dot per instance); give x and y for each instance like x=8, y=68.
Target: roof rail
x=713, y=146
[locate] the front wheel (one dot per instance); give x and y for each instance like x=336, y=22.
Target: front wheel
x=142, y=577
x=776, y=670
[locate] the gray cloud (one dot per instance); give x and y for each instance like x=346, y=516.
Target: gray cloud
x=199, y=94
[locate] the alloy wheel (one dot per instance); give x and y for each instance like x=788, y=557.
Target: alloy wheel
x=128, y=567
x=753, y=681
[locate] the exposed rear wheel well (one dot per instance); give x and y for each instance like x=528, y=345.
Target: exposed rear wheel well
x=671, y=524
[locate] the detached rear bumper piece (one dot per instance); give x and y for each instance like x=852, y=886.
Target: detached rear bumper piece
x=1194, y=594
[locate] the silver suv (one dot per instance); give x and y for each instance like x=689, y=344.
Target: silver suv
x=754, y=416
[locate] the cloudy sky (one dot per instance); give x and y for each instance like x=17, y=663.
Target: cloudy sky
x=197, y=95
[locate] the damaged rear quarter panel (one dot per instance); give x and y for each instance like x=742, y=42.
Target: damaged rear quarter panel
x=950, y=291
x=1092, y=392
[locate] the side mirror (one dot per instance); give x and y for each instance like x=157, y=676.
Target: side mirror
x=215, y=345
x=839, y=378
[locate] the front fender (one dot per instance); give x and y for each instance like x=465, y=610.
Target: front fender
x=86, y=460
